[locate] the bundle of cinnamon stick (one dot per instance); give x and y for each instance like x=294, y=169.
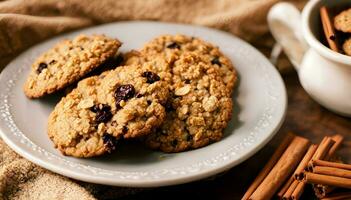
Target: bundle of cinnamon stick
x=297, y=163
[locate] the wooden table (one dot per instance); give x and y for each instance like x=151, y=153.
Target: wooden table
x=304, y=117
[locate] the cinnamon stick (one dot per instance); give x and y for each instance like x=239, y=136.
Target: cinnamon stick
x=331, y=164
x=322, y=150
x=332, y=171
x=319, y=189
x=328, y=29
x=298, y=174
x=270, y=164
x=285, y=188
x=281, y=170
x=298, y=191
x=338, y=140
x=327, y=180
x=338, y=196
x=290, y=190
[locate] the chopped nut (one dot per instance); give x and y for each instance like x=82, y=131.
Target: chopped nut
x=183, y=90
x=210, y=103
x=87, y=103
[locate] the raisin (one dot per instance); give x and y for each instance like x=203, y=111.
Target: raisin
x=169, y=107
x=174, y=143
x=215, y=61
x=41, y=67
x=173, y=45
x=94, y=108
x=125, y=129
x=103, y=114
x=189, y=137
x=187, y=81
x=124, y=92
x=110, y=142
x=151, y=77
x=149, y=102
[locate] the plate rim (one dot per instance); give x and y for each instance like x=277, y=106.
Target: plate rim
x=150, y=182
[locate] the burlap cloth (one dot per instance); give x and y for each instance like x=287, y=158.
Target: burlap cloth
x=27, y=22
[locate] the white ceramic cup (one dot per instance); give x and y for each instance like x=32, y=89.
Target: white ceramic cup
x=323, y=73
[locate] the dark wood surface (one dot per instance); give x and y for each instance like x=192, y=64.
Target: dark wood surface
x=304, y=117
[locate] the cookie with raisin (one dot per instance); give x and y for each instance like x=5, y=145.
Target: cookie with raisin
x=198, y=110
x=172, y=47
x=127, y=102
x=67, y=62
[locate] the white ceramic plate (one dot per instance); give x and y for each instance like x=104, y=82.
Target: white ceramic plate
x=260, y=104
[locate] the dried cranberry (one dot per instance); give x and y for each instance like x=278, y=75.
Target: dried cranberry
x=215, y=61
x=110, y=142
x=151, y=77
x=124, y=92
x=41, y=67
x=173, y=45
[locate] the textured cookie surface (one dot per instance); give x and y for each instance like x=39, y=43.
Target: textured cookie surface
x=342, y=21
x=199, y=109
x=347, y=46
x=171, y=47
x=123, y=103
x=67, y=62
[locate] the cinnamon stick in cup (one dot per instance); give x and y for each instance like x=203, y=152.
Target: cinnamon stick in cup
x=328, y=29
x=281, y=170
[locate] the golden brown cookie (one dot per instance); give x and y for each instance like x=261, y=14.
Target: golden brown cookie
x=123, y=103
x=199, y=110
x=67, y=62
x=342, y=21
x=347, y=47
x=171, y=47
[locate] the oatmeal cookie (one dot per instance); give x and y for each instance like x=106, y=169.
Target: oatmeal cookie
x=347, y=47
x=342, y=21
x=123, y=103
x=67, y=62
x=199, y=110
x=171, y=47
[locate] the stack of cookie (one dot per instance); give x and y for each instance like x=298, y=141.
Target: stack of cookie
x=342, y=23
x=173, y=95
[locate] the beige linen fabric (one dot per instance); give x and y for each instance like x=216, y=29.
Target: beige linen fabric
x=24, y=23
